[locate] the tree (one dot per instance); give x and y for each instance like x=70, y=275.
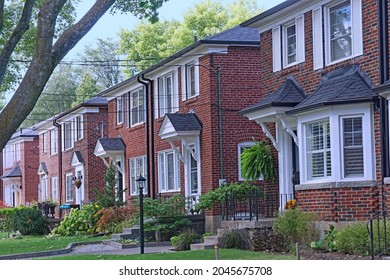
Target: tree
x=86, y=89
x=48, y=49
x=149, y=43
x=106, y=69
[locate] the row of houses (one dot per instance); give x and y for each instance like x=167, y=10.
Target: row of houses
x=311, y=78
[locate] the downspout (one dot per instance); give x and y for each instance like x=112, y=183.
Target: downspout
x=146, y=132
x=383, y=77
x=59, y=145
x=220, y=121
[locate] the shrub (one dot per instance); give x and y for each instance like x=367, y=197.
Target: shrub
x=29, y=221
x=6, y=219
x=353, y=239
x=265, y=239
x=3, y=205
x=111, y=219
x=183, y=241
x=235, y=239
x=297, y=226
x=80, y=222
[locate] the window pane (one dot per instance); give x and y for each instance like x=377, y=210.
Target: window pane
x=340, y=31
x=291, y=44
x=194, y=175
x=353, y=147
x=171, y=171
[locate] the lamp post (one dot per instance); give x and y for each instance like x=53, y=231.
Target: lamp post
x=141, y=182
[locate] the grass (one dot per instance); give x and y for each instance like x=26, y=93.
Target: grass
x=225, y=254
x=29, y=244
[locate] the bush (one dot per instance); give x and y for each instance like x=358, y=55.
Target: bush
x=29, y=221
x=353, y=239
x=297, y=226
x=112, y=218
x=6, y=219
x=267, y=240
x=235, y=239
x=80, y=222
x=183, y=241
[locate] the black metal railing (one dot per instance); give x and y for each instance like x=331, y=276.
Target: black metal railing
x=377, y=231
x=252, y=206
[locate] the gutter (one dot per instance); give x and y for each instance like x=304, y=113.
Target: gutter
x=59, y=148
x=149, y=131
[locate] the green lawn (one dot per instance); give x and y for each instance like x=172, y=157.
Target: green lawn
x=29, y=244
x=225, y=254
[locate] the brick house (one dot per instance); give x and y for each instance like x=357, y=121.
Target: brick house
x=322, y=69
x=20, y=160
x=195, y=134
x=66, y=146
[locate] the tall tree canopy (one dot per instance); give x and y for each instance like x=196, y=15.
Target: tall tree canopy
x=43, y=32
x=149, y=43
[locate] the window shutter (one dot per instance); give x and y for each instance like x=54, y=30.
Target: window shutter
x=357, y=30
x=276, y=49
x=175, y=91
x=300, y=31
x=183, y=83
x=318, y=61
x=196, y=70
x=156, y=105
x=161, y=96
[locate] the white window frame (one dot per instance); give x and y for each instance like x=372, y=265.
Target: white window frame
x=54, y=188
x=68, y=129
x=44, y=142
x=120, y=106
x=240, y=147
x=163, y=170
x=188, y=90
x=17, y=152
x=135, y=171
x=135, y=107
x=163, y=102
x=69, y=187
x=280, y=46
x=356, y=32
x=54, y=141
x=335, y=114
x=44, y=188
x=8, y=156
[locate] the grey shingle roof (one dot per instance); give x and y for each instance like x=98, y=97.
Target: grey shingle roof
x=14, y=172
x=289, y=94
x=344, y=85
x=184, y=122
x=112, y=144
x=235, y=34
x=79, y=156
x=95, y=101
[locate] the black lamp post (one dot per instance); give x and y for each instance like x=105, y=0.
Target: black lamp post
x=141, y=182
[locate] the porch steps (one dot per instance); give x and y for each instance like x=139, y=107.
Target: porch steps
x=128, y=233
x=208, y=243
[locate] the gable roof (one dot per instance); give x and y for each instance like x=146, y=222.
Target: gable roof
x=184, y=122
x=14, y=172
x=289, y=94
x=345, y=85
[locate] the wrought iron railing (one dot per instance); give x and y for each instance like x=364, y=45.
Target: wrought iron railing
x=253, y=206
x=378, y=232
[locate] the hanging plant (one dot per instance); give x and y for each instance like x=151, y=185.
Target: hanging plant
x=257, y=162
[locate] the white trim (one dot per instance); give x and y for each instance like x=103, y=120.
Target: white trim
x=276, y=49
x=133, y=185
x=269, y=135
x=191, y=150
x=162, y=172
x=69, y=175
x=141, y=111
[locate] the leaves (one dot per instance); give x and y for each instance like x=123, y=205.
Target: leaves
x=257, y=161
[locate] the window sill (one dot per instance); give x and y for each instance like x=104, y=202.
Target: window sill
x=332, y=185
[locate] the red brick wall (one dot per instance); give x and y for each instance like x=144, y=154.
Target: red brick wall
x=29, y=161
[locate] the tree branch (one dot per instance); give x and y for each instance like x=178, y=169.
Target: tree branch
x=74, y=34
x=21, y=28
x=1, y=15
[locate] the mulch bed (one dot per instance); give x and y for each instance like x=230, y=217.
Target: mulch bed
x=309, y=254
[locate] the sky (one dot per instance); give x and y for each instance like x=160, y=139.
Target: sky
x=110, y=25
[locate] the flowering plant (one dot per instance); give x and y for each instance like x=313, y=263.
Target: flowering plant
x=291, y=204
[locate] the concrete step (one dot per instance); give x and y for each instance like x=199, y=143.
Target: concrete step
x=210, y=239
x=117, y=236
x=201, y=246
x=131, y=230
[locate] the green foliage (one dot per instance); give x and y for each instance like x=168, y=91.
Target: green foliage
x=264, y=239
x=111, y=219
x=353, y=239
x=6, y=219
x=80, y=222
x=239, y=191
x=235, y=239
x=149, y=43
x=29, y=221
x=110, y=197
x=297, y=226
x=256, y=161
x=330, y=238
x=183, y=241
x=165, y=215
